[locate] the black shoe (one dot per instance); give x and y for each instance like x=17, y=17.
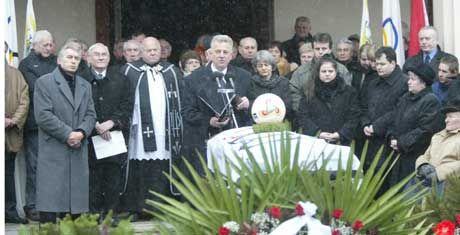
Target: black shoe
x=32, y=214
x=15, y=219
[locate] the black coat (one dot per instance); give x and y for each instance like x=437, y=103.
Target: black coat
x=415, y=120
x=110, y=96
x=379, y=102
x=276, y=85
x=416, y=60
x=291, y=47
x=243, y=63
x=338, y=112
x=32, y=67
x=454, y=89
x=196, y=114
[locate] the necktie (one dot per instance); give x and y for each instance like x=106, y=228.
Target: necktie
x=427, y=59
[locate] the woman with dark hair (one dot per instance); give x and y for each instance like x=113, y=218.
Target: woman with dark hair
x=277, y=52
x=189, y=61
x=266, y=81
x=329, y=108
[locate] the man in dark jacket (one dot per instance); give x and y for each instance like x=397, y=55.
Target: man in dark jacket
x=247, y=50
x=203, y=99
x=382, y=96
x=302, y=34
x=447, y=75
x=39, y=62
x=110, y=99
x=430, y=53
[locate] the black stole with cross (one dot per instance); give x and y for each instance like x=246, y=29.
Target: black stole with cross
x=148, y=133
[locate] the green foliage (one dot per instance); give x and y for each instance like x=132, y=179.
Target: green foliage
x=214, y=199
x=447, y=206
x=271, y=127
x=86, y=224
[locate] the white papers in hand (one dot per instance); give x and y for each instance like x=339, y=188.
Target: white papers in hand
x=104, y=148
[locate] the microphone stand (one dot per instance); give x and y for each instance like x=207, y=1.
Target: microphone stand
x=227, y=97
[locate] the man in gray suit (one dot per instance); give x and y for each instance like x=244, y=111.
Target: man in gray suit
x=65, y=116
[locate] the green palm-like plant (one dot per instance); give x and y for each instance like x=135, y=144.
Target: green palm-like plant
x=214, y=199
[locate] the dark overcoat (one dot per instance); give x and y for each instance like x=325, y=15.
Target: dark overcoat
x=196, y=114
x=416, y=119
x=380, y=100
x=62, y=171
x=336, y=113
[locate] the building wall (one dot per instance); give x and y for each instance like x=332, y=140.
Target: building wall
x=63, y=18
x=340, y=18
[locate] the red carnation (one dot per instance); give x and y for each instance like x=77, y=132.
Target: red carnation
x=337, y=213
x=224, y=231
x=336, y=232
x=445, y=227
x=275, y=212
x=358, y=225
x=299, y=210
x=457, y=218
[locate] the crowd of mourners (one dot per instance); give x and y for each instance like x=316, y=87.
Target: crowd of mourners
x=57, y=101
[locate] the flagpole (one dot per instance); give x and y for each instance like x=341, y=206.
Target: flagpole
x=31, y=28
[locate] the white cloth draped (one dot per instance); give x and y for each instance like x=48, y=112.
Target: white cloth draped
x=157, y=93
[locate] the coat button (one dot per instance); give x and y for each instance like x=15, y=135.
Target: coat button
x=101, y=98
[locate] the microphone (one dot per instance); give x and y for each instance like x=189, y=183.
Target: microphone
x=217, y=74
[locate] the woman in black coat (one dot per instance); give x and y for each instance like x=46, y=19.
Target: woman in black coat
x=329, y=108
x=415, y=120
x=266, y=81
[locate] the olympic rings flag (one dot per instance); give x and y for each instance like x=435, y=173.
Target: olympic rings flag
x=391, y=28
x=11, y=35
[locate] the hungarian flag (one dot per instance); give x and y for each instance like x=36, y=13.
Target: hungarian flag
x=418, y=20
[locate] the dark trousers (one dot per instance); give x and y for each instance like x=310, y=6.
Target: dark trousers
x=105, y=181
x=31, y=153
x=10, y=191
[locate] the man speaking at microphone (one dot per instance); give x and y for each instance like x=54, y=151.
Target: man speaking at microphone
x=209, y=91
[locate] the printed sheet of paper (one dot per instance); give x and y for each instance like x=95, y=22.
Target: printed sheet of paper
x=104, y=148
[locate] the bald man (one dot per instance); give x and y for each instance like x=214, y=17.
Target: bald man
x=247, y=50
x=430, y=53
x=156, y=125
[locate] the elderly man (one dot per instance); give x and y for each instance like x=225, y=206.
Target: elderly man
x=442, y=157
x=344, y=55
x=247, y=50
x=16, y=107
x=156, y=125
x=205, y=96
x=65, y=116
x=322, y=46
x=302, y=34
x=430, y=53
x=39, y=62
x=111, y=103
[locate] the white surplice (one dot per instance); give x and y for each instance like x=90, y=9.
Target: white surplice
x=157, y=94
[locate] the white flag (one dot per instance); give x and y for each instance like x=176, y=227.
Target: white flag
x=365, y=36
x=11, y=34
x=31, y=27
x=392, y=33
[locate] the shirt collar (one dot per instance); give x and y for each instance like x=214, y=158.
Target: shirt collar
x=103, y=74
x=214, y=69
x=431, y=54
